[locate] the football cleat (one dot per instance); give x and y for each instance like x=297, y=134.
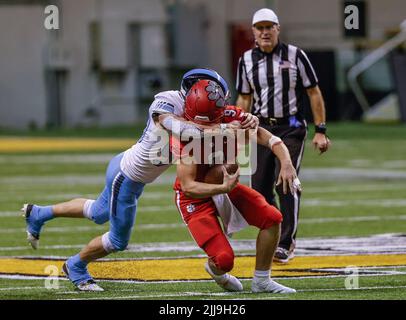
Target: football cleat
x=283, y=255
x=227, y=282
x=88, y=284
x=33, y=225
x=269, y=286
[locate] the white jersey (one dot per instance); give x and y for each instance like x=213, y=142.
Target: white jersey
x=137, y=162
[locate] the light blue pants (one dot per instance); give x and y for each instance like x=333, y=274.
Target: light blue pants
x=117, y=204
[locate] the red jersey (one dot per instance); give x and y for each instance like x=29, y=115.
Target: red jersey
x=210, y=150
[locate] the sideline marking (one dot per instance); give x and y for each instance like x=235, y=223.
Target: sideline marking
x=192, y=268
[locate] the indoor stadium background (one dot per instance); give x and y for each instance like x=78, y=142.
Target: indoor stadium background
x=74, y=96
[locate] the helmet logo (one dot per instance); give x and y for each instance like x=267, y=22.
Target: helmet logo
x=216, y=94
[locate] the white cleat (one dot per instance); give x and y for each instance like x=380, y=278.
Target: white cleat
x=227, y=282
x=33, y=240
x=89, y=286
x=270, y=286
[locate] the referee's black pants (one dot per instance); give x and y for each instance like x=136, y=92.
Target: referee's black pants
x=267, y=172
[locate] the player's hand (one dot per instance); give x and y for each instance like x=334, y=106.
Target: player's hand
x=234, y=125
x=321, y=142
x=288, y=178
x=250, y=122
x=230, y=180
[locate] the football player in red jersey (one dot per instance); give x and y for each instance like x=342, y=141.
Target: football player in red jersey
x=200, y=202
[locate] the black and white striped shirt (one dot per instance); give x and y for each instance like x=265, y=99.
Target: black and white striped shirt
x=274, y=79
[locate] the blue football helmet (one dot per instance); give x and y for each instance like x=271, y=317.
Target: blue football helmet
x=194, y=75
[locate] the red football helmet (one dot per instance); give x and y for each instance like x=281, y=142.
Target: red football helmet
x=205, y=102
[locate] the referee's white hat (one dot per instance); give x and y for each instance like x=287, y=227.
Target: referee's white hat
x=265, y=14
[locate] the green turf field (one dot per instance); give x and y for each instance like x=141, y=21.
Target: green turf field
x=357, y=189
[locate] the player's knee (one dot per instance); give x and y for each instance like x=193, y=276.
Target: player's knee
x=120, y=244
x=272, y=218
x=112, y=243
x=100, y=218
x=224, y=261
x=277, y=217
x=96, y=212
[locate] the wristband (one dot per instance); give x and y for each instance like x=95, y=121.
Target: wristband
x=274, y=141
x=320, y=128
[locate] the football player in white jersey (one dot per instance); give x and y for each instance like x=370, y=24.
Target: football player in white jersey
x=126, y=176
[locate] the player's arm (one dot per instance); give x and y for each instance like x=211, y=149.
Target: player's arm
x=186, y=173
x=244, y=101
x=247, y=120
x=287, y=176
x=320, y=140
x=180, y=126
x=176, y=125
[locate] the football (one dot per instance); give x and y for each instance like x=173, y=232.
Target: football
x=215, y=174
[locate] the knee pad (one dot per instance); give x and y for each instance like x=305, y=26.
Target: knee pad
x=113, y=245
x=224, y=261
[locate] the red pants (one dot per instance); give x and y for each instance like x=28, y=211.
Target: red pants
x=200, y=215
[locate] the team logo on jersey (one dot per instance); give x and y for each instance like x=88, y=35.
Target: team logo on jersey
x=190, y=208
x=230, y=113
x=216, y=94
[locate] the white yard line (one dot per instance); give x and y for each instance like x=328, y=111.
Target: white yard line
x=23, y=288
x=184, y=294
x=376, y=244
x=225, y=294
x=355, y=289
x=95, y=228
x=359, y=202
x=141, y=208
x=345, y=188
x=27, y=277
x=351, y=219
x=33, y=198
x=159, y=226
x=307, y=174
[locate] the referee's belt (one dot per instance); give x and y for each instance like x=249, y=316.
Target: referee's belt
x=274, y=121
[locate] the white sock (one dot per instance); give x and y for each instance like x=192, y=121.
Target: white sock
x=87, y=212
x=262, y=275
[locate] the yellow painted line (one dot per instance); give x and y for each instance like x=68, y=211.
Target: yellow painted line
x=23, y=144
x=192, y=269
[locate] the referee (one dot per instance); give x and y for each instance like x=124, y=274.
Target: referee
x=271, y=79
